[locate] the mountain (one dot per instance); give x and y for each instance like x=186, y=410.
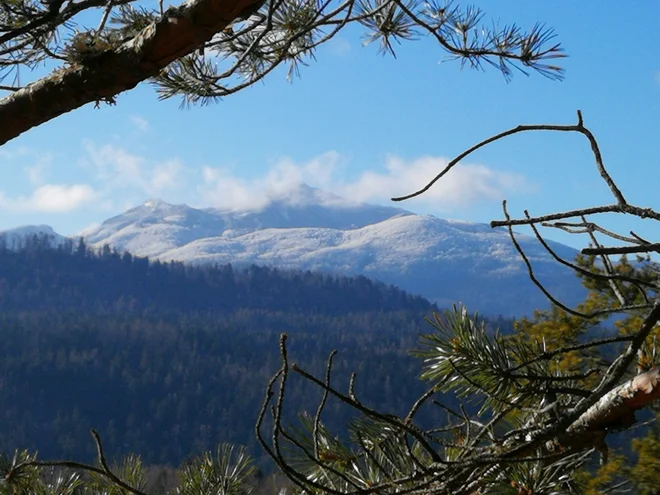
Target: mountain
x=445, y=261
x=12, y=237
x=156, y=227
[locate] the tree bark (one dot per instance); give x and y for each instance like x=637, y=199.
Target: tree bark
x=179, y=32
x=614, y=411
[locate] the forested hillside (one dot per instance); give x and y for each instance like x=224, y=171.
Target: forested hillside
x=70, y=277
x=167, y=360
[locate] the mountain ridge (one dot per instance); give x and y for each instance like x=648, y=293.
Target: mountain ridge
x=445, y=261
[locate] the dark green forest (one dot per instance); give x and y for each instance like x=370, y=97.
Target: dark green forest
x=167, y=360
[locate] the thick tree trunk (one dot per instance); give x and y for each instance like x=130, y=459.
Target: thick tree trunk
x=181, y=31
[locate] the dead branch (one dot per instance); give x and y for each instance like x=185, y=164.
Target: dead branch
x=642, y=249
x=579, y=128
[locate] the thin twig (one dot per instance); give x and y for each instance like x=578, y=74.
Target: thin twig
x=597, y=276
x=392, y=420
x=532, y=276
x=585, y=227
x=324, y=399
x=104, y=18
x=547, y=355
x=608, y=267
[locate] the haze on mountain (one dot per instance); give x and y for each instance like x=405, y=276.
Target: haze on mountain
x=446, y=261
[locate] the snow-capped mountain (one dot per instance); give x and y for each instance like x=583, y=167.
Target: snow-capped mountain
x=445, y=261
x=13, y=237
x=156, y=227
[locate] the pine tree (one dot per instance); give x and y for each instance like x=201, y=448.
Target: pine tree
x=203, y=50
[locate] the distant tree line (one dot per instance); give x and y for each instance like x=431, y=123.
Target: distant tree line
x=167, y=360
x=35, y=275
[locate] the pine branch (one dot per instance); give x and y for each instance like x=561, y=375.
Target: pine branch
x=101, y=78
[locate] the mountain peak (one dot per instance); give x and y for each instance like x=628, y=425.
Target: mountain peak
x=156, y=203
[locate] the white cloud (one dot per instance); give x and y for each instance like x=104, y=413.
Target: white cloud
x=463, y=186
x=35, y=164
x=140, y=123
x=120, y=170
x=165, y=176
x=10, y=153
x=224, y=190
x=51, y=198
x=123, y=178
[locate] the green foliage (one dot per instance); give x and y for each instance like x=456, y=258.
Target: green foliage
x=228, y=471
x=20, y=475
x=166, y=360
x=514, y=388
x=637, y=464
x=255, y=42
x=606, y=478
x=13, y=480
x=463, y=356
x=37, y=277
x=645, y=474
x=130, y=470
x=391, y=454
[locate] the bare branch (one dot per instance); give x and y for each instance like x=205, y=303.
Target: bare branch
x=585, y=227
x=593, y=275
x=530, y=271
x=644, y=248
x=579, y=128
x=609, y=269
x=547, y=355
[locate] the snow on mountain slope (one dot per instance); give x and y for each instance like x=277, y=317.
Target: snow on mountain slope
x=445, y=261
x=155, y=227
x=13, y=237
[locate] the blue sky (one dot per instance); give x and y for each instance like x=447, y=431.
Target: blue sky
x=369, y=127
